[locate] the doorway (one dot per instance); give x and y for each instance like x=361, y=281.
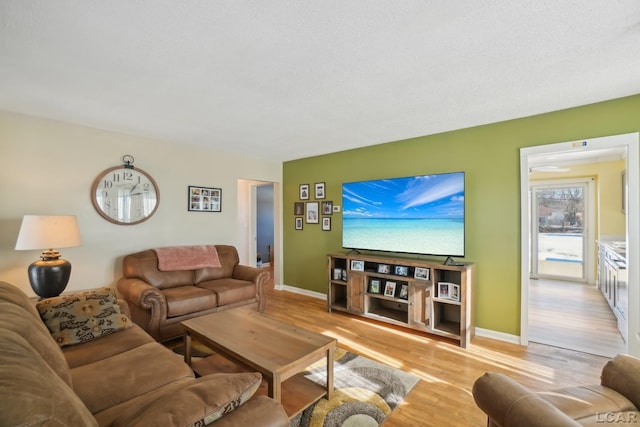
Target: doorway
x=555, y=156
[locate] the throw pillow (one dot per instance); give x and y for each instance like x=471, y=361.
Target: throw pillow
x=82, y=316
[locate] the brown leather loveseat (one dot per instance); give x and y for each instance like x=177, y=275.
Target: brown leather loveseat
x=160, y=298
x=615, y=401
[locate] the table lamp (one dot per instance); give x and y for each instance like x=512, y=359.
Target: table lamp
x=49, y=275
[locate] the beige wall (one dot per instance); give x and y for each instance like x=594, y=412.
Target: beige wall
x=47, y=167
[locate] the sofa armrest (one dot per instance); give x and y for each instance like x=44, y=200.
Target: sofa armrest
x=255, y=275
x=508, y=403
x=622, y=374
x=140, y=293
x=149, y=304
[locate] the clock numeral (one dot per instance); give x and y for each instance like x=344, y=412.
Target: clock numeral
x=127, y=175
x=107, y=183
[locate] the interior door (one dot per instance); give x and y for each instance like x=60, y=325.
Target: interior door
x=559, y=230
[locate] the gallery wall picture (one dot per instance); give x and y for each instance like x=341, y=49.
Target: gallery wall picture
x=204, y=199
x=312, y=215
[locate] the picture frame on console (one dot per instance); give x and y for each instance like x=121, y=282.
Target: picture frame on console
x=390, y=289
x=384, y=268
x=404, y=291
x=357, y=265
x=421, y=273
x=374, y=286
x=401, y=270
x=449, y=291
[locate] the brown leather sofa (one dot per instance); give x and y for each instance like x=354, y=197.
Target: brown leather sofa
x=160, y=300
x=615, y=401
x=123, y=378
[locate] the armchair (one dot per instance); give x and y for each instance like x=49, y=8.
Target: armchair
x=614, y=401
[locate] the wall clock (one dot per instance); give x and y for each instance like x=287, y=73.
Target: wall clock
x=125, y=195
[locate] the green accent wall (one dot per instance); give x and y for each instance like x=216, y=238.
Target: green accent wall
x=490, y=157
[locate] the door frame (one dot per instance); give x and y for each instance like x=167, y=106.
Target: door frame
x=630, y=142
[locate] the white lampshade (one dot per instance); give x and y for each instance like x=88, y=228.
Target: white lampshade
x=43, y=232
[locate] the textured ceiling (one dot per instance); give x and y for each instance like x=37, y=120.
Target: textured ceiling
x=291, y=79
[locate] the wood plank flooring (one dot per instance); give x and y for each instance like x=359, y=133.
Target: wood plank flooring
x=443, y=396
x=574, y=316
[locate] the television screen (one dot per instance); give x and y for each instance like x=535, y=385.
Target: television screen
x=419, y=214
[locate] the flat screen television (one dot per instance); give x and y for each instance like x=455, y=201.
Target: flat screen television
x=417, y=214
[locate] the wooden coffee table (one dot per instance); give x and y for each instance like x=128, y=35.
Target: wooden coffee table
x=278, y=350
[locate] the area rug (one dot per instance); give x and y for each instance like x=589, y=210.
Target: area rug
x=366, y=392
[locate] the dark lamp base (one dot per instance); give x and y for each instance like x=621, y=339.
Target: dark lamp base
x=49, y=277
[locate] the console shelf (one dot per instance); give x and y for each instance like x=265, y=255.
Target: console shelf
x=418, y=294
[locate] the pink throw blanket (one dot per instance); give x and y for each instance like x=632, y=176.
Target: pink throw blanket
x=174, y=258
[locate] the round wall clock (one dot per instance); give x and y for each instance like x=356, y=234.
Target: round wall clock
x=125, y=195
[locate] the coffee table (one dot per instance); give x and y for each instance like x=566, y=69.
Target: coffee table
x=278, y=350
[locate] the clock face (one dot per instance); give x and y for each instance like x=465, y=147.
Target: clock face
x=125, y=195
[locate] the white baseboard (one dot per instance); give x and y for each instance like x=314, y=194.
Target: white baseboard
x=499, y=336
x=296, y=290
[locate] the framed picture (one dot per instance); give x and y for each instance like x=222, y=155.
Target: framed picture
x=327, y=208
x=204, y=199
x=374, y=286
x=454, y=292
x=313, y=216
x=357, y=265
x=401, y=270
x=299, y=223
x=421, y=273
x=326, y=224
x=404, y=291
x=448, y=290
x=384, y=268
x=319, y=190
x=304, y=191
x=443, y=290
x=298, y=208
x=390, y=289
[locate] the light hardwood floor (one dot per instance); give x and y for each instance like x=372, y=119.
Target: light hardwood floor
x=443, y=396
x=574, y=316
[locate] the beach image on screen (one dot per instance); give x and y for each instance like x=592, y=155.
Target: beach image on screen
x=422, y=214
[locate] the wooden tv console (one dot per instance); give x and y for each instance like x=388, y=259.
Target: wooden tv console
x=417, y=294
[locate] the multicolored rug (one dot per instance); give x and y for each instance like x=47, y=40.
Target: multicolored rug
x=365, y=393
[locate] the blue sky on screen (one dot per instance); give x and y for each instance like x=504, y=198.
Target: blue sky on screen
x=429, y=196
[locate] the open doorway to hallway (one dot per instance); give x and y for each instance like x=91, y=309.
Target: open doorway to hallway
x=562, y=304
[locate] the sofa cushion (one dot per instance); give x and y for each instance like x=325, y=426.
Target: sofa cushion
x=144, y=265
x=228, y=256
x=31, y=392
x=138, y=371
x=82, y=316
x=189, y=299
x=230, y=291
x=200, y=403
x=107, y=346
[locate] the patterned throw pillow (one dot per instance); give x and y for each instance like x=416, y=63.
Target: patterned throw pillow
x=82, y=316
